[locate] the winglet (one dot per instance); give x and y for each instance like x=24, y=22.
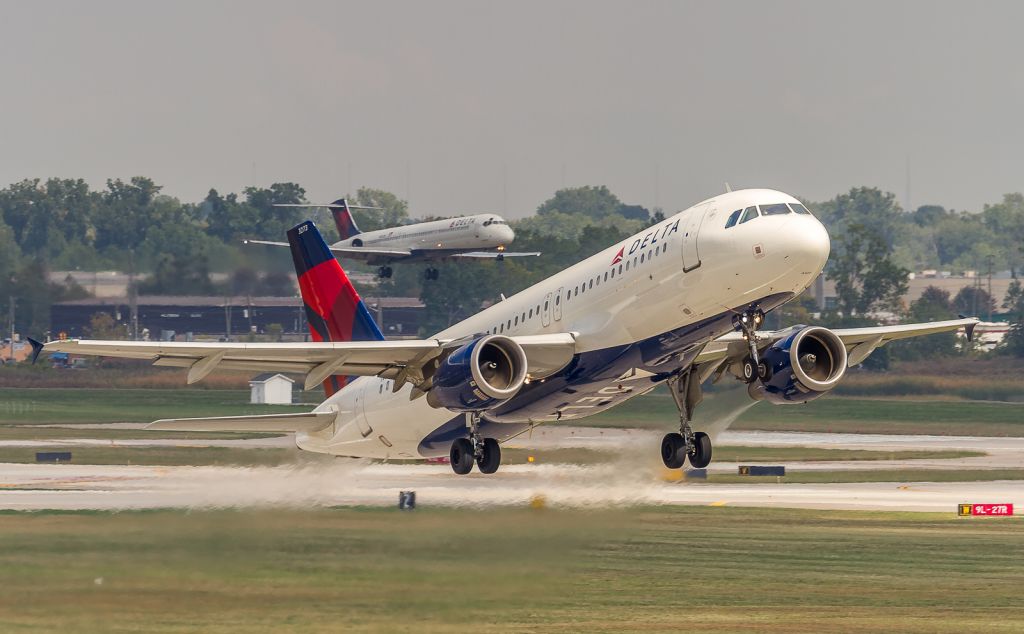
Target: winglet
x=37, y=347
x=969, y=328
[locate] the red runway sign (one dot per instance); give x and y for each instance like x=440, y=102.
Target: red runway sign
x=985, y=510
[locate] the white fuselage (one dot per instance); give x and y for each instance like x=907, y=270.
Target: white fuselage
x=482, y=231
x=687, y=269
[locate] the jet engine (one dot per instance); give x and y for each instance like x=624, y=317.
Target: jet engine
x=479, y=376
x=802, y=367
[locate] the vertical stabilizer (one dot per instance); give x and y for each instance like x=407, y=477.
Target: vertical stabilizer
x=333, y=307
x=343, y=219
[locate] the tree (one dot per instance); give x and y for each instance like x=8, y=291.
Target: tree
x=595, y=202
x=1013, y=343
x=1006, y=222
x=973, y=301
x=866, y=277
x=933, y=305
x=102, y=326
x=393, y=212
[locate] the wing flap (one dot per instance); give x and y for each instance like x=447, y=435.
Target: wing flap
x=304, y=422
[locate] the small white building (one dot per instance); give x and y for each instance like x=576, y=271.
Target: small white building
x=271, y=389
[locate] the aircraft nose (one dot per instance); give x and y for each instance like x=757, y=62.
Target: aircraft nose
x=506, y=234
x=808, y=243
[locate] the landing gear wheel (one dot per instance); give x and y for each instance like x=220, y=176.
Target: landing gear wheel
x=385, y=272
x=490, y=457
x=673, y=450
x=750, y=371
x=700, y=452
x=461, y=456
x=431, y=274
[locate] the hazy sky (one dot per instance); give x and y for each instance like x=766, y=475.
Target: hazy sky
x=485, y=106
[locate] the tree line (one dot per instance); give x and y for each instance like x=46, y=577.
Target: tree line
x=174, y=246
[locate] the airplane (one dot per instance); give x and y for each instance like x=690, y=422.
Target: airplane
x=679, y=304
x=462, y=237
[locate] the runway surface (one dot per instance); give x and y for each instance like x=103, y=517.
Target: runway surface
x=632, y=477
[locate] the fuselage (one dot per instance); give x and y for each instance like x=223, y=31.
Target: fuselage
x=482, y=231
x=640, y=310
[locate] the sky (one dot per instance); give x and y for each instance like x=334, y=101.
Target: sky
x=465, y=107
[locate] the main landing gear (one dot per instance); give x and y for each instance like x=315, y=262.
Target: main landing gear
x=385, y=272
x=431, y=274
x=677, y=447
x=748, y=322
x=485, y=452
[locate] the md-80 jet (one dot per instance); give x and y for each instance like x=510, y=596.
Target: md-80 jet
x=678, y=304
x=483, y=236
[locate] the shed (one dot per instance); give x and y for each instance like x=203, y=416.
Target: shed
x=271, y=389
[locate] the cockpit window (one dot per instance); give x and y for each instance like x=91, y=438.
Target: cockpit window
x=748, y=214
x=774, y=210
x=800, y=209
x=733, y=218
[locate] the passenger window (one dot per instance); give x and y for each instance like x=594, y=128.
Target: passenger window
x=613, y=274
x=502, y=328
x=558, y=300
x=510, y=324
x=606, y=276
x=748, y=214
x=620, y=269
x=517, y=320
x=733, y=218
x=627, y=265
x=545, y=305
x=531, y=313
x=800, y=209
x=591, y=284
x=641, y=258
x=774, y=210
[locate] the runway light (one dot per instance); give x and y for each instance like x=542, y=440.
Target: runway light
x=530, y=459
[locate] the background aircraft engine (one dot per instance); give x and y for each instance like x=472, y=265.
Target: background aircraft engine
x=480, y=375
x=803, y=366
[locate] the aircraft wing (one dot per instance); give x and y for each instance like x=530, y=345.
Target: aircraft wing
x=401, y=361
x=860, y=342
x=307, y=422
x=352, y=253
x=495, y=255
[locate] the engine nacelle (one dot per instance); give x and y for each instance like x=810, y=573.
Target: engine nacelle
x=803, y=366
x=479, y=376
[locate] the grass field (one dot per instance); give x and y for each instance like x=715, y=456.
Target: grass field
x=28, y=406
x=827, y=414
x=510, y=570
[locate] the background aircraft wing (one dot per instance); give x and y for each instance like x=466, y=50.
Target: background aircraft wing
x=496, y=255
x=401, y=361
x=860, y=342
x=352, y=253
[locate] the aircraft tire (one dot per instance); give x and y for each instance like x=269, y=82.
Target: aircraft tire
x=673, y=450
x=491, y=458
x=749, y=370
x=701, y=454
x=461, y=456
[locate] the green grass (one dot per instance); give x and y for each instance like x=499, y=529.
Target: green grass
x=23, y=409
x=510, y=570
x=829, y=413
x=26, y=406
x=166, y=456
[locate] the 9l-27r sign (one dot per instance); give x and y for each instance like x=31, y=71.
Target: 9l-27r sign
x=985, y=510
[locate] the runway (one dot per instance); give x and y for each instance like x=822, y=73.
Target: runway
x=632, y=477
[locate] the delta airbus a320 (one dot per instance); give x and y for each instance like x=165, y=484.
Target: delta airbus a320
x=482, y=237
x=676, y=304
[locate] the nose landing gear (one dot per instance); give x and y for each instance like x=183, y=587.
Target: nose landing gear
x=677, y=447
x=485, y=452
x=748, y=322
x=385, y=272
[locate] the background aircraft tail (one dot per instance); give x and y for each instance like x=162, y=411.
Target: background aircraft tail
x=333, y=307
x=343, y=219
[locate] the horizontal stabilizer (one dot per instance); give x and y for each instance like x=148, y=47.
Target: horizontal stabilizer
x=497, y=255
x=306, y=421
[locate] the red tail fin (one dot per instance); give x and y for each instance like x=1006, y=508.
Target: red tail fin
x=333, y=307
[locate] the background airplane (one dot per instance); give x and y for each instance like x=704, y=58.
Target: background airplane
x=436, y=240
x=676, y=304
